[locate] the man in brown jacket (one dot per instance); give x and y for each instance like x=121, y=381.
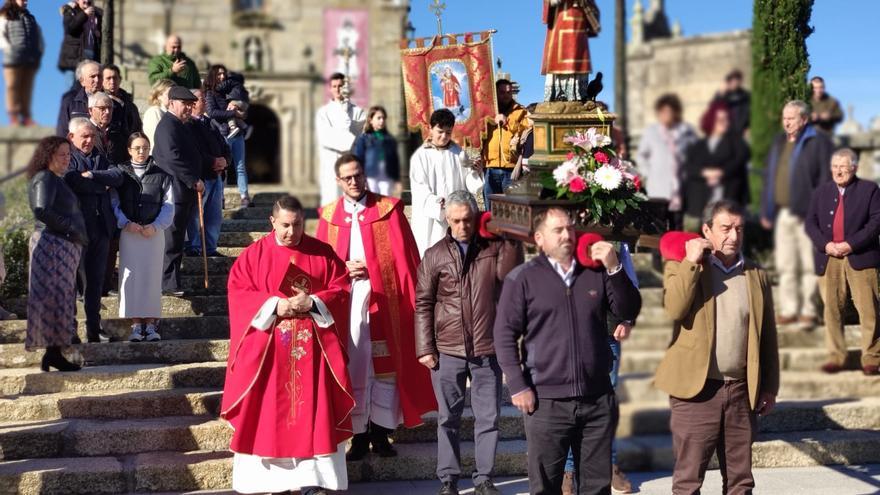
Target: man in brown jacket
x=722, y=367
x=458, y=287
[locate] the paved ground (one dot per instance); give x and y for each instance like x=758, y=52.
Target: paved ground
x=820, y=480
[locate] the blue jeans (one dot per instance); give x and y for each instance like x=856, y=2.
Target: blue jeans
x=236, y=144
x=615, y=371
x=496, y=180
x=212, y=202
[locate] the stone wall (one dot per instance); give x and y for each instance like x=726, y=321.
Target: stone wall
x=17, y=145
x=290, y=84
x=692, y=67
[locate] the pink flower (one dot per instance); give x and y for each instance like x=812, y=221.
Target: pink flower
x=637, y=182
x=569, y=156
x=578, y=184
x=600, y=157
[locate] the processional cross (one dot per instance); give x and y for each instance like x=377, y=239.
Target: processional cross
x=438, y=7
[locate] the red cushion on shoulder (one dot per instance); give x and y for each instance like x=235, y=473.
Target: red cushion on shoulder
x=585, y=242
x=485, y=218
x=672, y=244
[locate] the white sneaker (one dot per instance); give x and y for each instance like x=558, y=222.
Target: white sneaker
x=152, y=335
x=137, y=333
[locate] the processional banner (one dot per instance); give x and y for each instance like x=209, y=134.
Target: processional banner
x=346, y=50
x=453, y=71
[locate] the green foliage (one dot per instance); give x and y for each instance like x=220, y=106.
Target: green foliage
x=16, y=226
x=780, y=64
x=15, y=253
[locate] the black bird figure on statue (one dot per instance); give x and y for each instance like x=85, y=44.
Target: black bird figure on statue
x=594, y=88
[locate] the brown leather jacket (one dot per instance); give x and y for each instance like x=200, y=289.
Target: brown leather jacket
x=456, y=299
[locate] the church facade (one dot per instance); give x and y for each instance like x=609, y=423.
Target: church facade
x=286, y=49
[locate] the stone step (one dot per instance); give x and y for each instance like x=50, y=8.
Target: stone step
x=790, y=449
x=111, y=404
x=205, y=470
x=172, y=306
x=110, y=353
x=246, y=225
x=264, y=195
x=252, y=213
x=172, y=328
x=70, y=437
x=88, y=438
x=645, y=338
x=792, y=359
x=118, y=377
x=637, y=387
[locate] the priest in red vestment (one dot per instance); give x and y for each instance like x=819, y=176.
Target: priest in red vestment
x=288, y=395
x=372, y=234
x=566, y=61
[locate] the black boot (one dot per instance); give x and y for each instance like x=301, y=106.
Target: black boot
x=379, y=439
x=360, y=447
x=96, y=337
x=54, y=359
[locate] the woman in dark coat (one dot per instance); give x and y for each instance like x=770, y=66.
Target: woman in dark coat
x=82, y=34
x=377, y=151
x=55, y=249
x=716, y=166
x=22, y=43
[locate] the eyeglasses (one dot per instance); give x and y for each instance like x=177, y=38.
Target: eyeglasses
x=351, y=178
x=140, y=148
x=103, y=108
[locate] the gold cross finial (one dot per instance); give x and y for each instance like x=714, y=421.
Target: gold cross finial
x=438, y=7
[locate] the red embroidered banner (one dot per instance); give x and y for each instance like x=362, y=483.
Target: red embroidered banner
x=454, y=71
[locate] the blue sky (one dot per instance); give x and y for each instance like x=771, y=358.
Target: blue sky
x=841, y=49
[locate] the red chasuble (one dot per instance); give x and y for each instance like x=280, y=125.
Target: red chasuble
x=392, y=259
x=287, y=391
x=569, y=26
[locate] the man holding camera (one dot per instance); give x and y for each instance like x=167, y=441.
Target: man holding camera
x=173, y=64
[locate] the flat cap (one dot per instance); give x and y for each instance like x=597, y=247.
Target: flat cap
x=181, y=93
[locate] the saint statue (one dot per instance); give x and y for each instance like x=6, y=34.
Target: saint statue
x=451, y=89
x=566, y=63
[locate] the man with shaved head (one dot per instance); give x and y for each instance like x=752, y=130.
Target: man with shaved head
x=173, y=64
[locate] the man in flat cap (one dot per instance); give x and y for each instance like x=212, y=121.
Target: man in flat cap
x=175, y=153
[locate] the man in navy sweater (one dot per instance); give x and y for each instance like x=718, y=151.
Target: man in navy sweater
x=560, y=380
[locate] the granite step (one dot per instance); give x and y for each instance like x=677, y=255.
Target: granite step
x=206, y=470
x=95, y=438
x=111, y=404
x=110, y=353
x=70, y=437
x=792, y=359
x=637, y=387
x=647, y=338
x=172, y=306
x=118, y=377
x=172, y=328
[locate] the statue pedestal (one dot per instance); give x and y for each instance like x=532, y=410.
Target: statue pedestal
x=513, y=213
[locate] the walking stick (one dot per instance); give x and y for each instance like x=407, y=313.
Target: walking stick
x=202, y=234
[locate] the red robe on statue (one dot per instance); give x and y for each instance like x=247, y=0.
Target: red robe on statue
x=287, y=391
x=392, y=259
x=451, y=89
x=570, y=24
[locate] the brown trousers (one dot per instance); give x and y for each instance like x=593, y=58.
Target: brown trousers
x=19, y=89
x=720, y=419
x=863, y=287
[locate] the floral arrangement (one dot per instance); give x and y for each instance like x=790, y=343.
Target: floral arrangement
x=592, y=174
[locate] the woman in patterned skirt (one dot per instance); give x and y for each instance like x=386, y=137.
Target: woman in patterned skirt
x=55, y=249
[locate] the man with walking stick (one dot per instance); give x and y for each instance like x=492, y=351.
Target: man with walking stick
x=174, y=153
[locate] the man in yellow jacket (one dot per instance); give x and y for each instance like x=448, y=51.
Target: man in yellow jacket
x=722, y=367
x=503, y=145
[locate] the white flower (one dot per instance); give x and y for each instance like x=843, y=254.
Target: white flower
x=566, y=171
x=608, y=177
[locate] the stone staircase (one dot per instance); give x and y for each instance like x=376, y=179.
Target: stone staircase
x=142, y=417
